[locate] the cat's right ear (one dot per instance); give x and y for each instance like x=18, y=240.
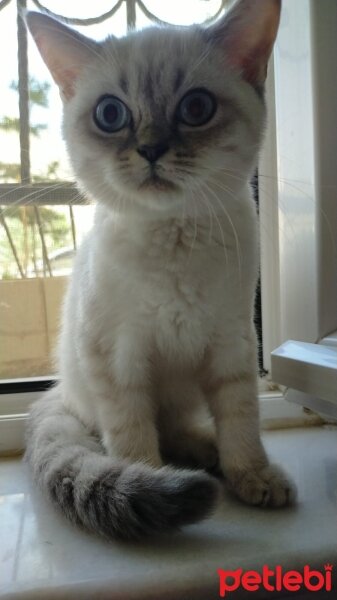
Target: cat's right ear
x=65, y=51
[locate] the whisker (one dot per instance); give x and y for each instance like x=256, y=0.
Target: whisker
x=219, y=226
x=195, y=231
x=210, y=214
x=230, y=174
x=227, y=215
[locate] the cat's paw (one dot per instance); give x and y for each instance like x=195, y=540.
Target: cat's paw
x=268, y=486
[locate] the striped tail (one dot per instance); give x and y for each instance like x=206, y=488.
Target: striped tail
x=107, y=496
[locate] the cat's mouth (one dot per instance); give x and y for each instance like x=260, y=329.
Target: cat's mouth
x=155, y=182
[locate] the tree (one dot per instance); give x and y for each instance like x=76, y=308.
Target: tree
x=32, y=230
x=38, y=96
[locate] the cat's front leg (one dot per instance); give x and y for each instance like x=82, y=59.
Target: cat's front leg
x=128, y=426
x=232, y=397
x=120, y=381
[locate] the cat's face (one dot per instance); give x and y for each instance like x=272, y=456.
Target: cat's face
x=156, y=117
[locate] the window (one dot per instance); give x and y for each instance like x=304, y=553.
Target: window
x=298, y=186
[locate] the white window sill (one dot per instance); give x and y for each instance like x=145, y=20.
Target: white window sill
x=41, y=556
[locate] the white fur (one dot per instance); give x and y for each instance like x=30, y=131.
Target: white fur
x=158, y=318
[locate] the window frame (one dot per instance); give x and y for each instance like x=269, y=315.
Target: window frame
x=299, y=269
x=283, y=289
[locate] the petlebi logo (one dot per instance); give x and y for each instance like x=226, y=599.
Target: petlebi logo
x=275, y=580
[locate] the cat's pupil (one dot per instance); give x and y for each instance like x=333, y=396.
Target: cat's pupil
x=110, y=113
x=196, y=107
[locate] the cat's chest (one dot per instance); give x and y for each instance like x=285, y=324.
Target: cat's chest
x=180, y=297
x=181, y=313
x=170, y=288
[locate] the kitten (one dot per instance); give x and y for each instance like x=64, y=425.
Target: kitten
x=157, y=356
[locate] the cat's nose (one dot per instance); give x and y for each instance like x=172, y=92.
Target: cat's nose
x=152, y=153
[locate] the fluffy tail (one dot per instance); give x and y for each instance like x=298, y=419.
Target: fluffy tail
x=104, y=495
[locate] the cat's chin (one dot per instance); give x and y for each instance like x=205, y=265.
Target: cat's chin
x=157, y=195
x=155, y=183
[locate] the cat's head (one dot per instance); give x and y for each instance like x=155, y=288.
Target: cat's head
x=157, y=117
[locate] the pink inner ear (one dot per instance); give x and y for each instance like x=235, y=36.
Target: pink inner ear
x=63, y=76
x=249, y=36
x=66, y=83
x=254, y=65
x=64, y=51
x=249, y=54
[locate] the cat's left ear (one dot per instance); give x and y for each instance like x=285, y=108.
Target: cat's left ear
x=65, y=51
x=247, y=34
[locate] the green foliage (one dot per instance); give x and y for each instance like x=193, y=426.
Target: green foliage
x=51, y=173
x=38, y=96
x=10, y=172
x=13, y=124
x=29, y=226
x=10, y=124
x=54, y=223
x=38, y=91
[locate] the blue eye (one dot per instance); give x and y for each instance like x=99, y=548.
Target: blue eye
x=111, y=114
x=196, y=108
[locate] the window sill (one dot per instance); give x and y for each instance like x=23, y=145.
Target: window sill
x=42, y=556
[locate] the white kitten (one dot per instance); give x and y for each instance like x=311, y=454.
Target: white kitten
x=163, y=129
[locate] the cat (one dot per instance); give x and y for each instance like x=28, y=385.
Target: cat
x=157, y=353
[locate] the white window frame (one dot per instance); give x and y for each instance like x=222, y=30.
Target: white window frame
x=298, y=206
x=282, y=290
